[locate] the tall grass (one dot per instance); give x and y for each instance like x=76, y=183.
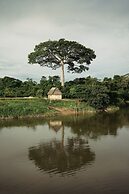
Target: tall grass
x=35, y=107
x=72, y=104
x=24, y=107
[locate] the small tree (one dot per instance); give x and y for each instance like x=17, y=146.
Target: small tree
x=55, y=54
x=98, y=97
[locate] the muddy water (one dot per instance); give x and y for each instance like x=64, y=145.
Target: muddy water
x=73, y=154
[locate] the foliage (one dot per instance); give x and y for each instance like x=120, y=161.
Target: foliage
x=23, y=107
x=55, y=54
x=51, y=53
x=96, y=93
x=100, y=101
x=32, y=107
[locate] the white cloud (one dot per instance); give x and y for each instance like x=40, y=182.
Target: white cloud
x=100, y=25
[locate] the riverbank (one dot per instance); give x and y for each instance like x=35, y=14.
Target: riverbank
x=39, y=107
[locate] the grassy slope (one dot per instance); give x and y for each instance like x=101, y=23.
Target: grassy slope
x=35, y=107
x=23, y=107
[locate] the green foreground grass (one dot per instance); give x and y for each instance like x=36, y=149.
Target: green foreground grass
x=16, y=108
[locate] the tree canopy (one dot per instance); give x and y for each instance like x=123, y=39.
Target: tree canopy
x=55, y=54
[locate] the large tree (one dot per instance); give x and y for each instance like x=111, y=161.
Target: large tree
x=55, y=54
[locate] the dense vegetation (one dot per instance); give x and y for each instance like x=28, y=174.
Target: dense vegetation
x=99, y=94
x=27, y=107
x=38, y=107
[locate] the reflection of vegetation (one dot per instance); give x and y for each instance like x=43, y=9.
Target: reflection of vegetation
x=98, y=124
x=30, y=122
x=92, y=126
x=54, y=158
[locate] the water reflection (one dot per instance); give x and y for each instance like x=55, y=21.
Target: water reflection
x=75, y=153
x=67, y=159
x=55, y=125
x=26, y=122
x=43, y=155
x=93, y=126
x=98, y=125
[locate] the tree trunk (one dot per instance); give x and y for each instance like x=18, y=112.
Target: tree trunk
x=62, y=74
x=62, y=142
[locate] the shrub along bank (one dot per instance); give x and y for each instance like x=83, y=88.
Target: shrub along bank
x=98, y=94
x=36, y=107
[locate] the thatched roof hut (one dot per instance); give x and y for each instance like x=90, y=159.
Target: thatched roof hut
x=54, y=94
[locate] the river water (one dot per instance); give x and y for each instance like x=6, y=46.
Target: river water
x=65, y=155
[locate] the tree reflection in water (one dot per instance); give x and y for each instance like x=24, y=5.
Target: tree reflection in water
x=55, y=157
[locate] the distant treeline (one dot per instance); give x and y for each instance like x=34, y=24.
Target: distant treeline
x=97, y=93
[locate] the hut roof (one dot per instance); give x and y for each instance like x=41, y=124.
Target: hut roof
x=54, y=91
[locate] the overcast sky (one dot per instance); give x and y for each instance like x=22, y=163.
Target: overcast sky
x=102, y=25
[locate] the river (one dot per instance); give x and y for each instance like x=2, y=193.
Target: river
x=65, y=155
